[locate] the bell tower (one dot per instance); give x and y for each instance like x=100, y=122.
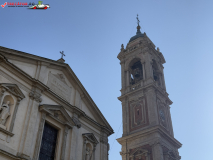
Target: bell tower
x=147, y=125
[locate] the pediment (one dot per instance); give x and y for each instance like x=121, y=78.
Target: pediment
x=139, y=151
x=56, y=78
x=90, y=137
x=59, y=113
x=13, y=89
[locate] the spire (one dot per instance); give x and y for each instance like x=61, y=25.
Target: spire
x=138, y=27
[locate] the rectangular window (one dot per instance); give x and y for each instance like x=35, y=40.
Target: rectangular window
x=48, y=144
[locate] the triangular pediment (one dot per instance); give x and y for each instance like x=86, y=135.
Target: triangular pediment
x=59, y=113
x=56, y=78
x=90, y=137
x=138, y=151
x=13, y=89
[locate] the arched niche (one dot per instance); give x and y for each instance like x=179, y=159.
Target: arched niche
x=10, y=97
x=89, y=146
x=89, y=149
x=7, y=110
x=135, y=71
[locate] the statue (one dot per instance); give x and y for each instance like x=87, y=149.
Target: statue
x=5, y=113
x=88, y=154
x=122, y=47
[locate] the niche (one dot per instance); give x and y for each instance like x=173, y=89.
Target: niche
x=6, y=111
x=88, y=155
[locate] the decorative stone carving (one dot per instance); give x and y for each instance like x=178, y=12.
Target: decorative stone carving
x=77, y=122
x=36, y=96
x=5, y=113
x=58, y=113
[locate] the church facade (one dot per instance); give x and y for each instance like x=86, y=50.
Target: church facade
x=147, y=126
x=46, y=113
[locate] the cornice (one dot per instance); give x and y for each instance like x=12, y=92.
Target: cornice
x=143, y=90
x=151, y=130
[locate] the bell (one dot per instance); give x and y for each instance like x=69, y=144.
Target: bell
x=137, y=74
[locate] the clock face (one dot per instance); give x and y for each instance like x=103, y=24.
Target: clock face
x=162, y=116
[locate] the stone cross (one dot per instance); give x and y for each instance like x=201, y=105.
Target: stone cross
x=62, y=54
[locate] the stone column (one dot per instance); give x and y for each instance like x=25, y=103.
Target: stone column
x=39, y=136
x=124, y=117
x=127, y=78
x=164, y=84
x=149, y=71
x=127, y=116
x=144, y=71
x=63, y=148
x=157, y=151
x=122, y=74
x=170, y=121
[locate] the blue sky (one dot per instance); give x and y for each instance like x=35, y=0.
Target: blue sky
x=91, y=32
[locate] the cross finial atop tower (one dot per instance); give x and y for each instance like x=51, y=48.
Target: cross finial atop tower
x=138, y=27
x=62, y=54
x=138, y=20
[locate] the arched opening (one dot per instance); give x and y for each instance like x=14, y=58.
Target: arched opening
x=136, y=71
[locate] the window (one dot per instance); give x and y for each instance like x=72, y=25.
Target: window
x=48, y=143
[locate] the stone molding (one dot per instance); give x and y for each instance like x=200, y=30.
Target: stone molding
x=39, y=136
x=148, y=131
x=11, y=155
x=89, y=138
x=47, y=110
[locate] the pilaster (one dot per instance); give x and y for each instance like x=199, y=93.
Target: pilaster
x=31, y=121
x=157, y=151
x=64, y=141
x=74, y=144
